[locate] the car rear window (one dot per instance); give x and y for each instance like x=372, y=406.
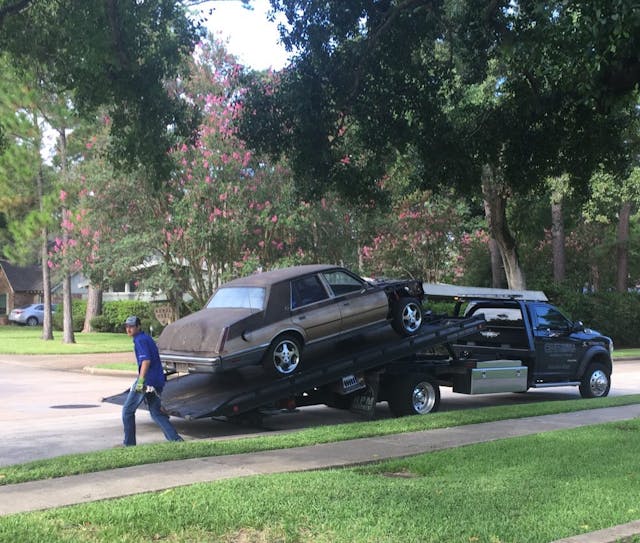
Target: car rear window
x=238, y=298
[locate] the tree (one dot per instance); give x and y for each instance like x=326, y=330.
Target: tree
x=111, y=54
x=480, y=90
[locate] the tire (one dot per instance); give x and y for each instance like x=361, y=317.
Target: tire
x=283, y=355
x=406, y=316
x=596, y=382
x=32, y=321
x=413, y=395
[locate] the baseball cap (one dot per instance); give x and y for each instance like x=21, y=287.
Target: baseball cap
x=132, y=321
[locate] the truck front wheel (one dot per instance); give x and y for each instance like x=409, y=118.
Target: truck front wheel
x=413, y=395
x=596, y=382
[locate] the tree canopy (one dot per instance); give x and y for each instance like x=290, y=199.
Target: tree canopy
x=535, y=87
x=114, y=54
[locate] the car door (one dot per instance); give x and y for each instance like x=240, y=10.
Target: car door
x=312, y=308
x=557, y=350
x=360, y=303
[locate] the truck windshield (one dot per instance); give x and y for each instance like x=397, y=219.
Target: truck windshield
x=238, y=298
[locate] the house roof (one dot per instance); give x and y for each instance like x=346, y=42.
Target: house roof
x=23, y=278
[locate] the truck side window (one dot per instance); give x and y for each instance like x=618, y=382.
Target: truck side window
x=550, y=318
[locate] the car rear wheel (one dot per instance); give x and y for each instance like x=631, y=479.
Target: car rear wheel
x=283, y=355
x=32, y=321
x=596, y=382
x=407, y=316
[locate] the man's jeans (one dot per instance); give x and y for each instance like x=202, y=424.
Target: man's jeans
x=131, y=404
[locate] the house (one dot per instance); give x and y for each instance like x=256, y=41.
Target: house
x=19, y=285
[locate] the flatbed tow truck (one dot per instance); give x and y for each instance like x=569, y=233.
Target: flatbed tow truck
x=464, y=352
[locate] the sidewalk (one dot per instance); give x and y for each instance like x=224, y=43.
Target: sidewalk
x=115, y=483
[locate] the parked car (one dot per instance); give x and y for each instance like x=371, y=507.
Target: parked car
x=31, y=315
x=269, y=318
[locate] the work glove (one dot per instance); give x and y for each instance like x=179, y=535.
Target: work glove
x=140, y=384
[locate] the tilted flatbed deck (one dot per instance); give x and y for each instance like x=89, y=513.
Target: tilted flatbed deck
x=197, y=396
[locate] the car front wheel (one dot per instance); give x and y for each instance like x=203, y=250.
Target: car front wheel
x=283, y=355
x=596, y=382
x=406, y=316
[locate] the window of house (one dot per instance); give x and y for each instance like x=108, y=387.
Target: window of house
x=3, y=304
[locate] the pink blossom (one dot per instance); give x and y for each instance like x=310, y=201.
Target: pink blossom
x=63, y=195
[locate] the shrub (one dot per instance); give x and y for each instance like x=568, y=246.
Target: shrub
x=100, y=324
x=79, y=310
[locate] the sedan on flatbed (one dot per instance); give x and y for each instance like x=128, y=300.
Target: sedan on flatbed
x=269, y=318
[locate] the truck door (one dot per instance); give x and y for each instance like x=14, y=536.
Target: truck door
x=557, y=351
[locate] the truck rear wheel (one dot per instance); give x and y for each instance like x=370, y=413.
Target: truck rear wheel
x=413, y=395
x=596, y=382
x=406, y=316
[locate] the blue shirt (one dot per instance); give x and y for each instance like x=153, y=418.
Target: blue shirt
x=146, y=349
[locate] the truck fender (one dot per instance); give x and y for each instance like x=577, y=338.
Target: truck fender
x=597, y=353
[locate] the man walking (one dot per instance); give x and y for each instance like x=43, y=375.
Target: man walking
x=147, y=387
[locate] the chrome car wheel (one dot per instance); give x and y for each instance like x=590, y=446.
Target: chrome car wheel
x=407, y=316
x=283, y=357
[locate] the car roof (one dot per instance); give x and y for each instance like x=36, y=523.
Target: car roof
x=275, y=276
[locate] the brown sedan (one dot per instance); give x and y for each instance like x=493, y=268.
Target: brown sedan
x=268, y=318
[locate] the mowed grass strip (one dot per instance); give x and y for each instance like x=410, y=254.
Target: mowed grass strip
x=528, y=489
x=161, y=452
x=28, y=340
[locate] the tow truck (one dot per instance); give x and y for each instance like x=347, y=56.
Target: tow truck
x=494, y=345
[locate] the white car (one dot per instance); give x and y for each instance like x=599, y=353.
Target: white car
x=31, y=315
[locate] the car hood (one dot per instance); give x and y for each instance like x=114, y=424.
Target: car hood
x=201, y=331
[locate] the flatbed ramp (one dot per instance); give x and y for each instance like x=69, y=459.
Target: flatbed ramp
x=197, y=396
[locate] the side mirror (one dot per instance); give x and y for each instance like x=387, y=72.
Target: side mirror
x=578, y=326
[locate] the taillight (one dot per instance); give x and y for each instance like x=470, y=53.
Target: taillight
x=223, y=338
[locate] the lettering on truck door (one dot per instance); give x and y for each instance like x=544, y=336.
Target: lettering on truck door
x=557, y=352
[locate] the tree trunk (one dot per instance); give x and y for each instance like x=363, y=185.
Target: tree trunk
x=47, y=324
x=498, y=278
x=622, y=247
x=558, y=239
x=495, y=197
x=67, y=317
x=68, y=335
x=94, y=307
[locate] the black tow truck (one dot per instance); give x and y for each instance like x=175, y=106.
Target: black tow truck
x=495, y=341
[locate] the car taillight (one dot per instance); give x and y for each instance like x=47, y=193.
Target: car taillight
x=223, y=338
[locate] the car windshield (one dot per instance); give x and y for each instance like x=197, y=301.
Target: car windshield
x=238, y=298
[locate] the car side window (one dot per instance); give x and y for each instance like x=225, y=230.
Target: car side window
x=550, y=318
x=342, y=283
x=307, y=290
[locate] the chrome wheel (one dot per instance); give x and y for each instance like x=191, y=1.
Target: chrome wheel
x=596, y=382
x=423, y=397
x=285, y=355
x=411, y=317
x=406, y=316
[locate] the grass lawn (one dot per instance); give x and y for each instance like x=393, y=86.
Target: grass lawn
x=528, y=489
x=28, y=340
